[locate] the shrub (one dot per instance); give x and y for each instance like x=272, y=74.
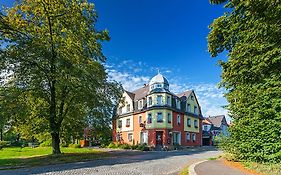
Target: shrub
x=125, y=146
x=4, y=144
x=46, y=143
x=74, y=145
x=112, y=145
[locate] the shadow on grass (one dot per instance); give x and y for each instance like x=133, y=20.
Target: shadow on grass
x=50, y=159
x=91, y=160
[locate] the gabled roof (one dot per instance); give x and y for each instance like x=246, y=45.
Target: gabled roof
x=216, y=120
x=141, y=92
x=186, y=93
x=206, y=122
x=131, y=95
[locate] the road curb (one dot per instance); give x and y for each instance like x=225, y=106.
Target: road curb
x=191, y=168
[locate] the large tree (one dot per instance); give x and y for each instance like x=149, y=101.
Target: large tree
x=54, y=53
x=250, y=33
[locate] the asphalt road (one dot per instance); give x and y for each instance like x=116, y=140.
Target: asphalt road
x=126, y=163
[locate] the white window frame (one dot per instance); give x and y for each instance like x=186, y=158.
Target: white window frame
x=169, y=100
x=178, y=119
x=188, y=122
x=195, y=122
x=128, y=122
x=149, y=115
x=195, y=110
x=140, y=104
x=158, y=121
x=130, y=139
x=178, y=104
x=187, y=136
x=149, y=101
x=169, y=118
x=193, y=137
x=128, y=107
x=159, y=99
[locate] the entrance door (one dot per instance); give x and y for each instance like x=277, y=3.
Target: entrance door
x=176, y=138
x=159, y=138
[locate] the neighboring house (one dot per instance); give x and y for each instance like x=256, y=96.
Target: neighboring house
x=213, y=126
x=157, y=117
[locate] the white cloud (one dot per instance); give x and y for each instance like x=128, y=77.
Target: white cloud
x=133, y=75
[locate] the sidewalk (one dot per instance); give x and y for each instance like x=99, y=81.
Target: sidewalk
x=217, y=167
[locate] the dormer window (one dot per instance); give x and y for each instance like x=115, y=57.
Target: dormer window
x=140, y=104
x=178, y=104
x=158, y=85
x=128, y=107
x=192, y=97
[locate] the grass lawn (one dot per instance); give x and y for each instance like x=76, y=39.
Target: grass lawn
x=13, y=157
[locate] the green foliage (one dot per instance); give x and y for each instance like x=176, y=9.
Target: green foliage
x=58, y=82
x=4, y=144
x=46, y=143
x=250, y=34
x=74, y=146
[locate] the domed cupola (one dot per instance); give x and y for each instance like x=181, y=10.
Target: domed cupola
x=159, y=83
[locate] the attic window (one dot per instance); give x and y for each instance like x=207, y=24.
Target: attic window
x=192, y=97
x=140, y=105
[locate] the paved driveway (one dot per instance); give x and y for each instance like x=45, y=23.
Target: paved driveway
x=133, y=163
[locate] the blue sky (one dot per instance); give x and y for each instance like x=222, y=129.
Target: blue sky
x=147, y=35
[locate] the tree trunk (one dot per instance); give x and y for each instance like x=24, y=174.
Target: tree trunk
x=1, y=134
x=56, y=143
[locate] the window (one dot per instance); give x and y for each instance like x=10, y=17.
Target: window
x=205, y=128
x=169, y=118
x=130, y=137
x=149, y=118
x=169, y=100
x=140, y=119
x=159, y=117
x=140, y=105
x=178, y=104
x=195, y=110
x=188, y=108
x=192, y=97
x=128, y=107
x=128, y=122
x=188, y=123
x=159, y=85
x=149, y=101
x=118, y=137
x=119, y=123
x=187, y=136
x=193, y=137
x=178, y=119
x=196, y=123
x=159, y=99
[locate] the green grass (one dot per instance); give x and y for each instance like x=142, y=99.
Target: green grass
x=13, y=157
x=266, y=169
x=213, y=158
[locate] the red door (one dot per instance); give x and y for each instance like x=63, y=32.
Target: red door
x=159, y=138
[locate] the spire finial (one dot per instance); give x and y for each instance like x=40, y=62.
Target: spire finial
x=158, y=70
